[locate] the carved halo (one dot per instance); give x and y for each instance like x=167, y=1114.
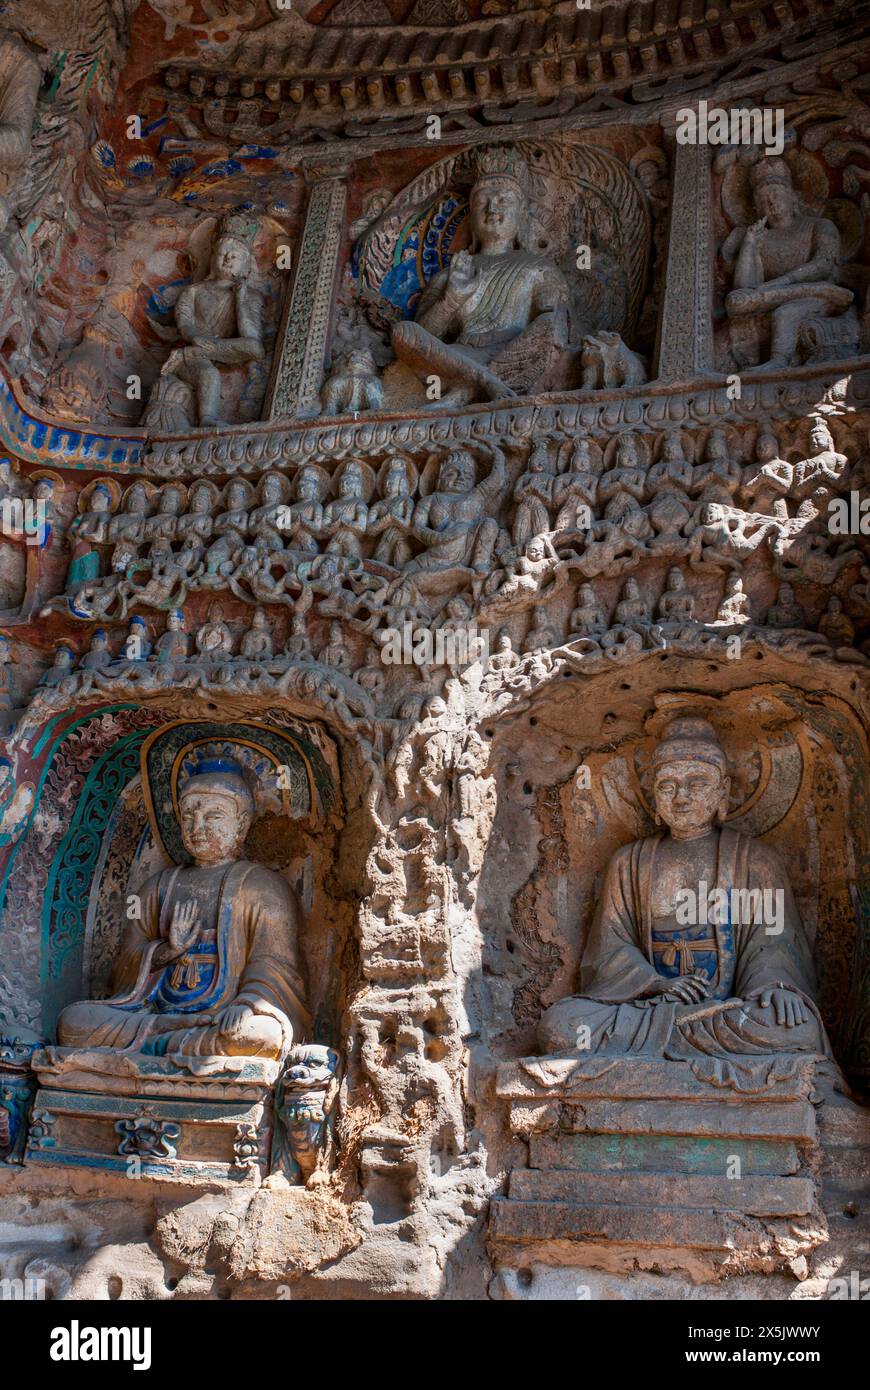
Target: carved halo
x=110, y=485
x=411, y=472
x=288, y=774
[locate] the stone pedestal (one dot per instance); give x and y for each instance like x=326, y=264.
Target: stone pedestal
x=130, y=1113
x=630, y=1157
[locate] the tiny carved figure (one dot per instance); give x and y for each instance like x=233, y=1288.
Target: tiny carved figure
x=533, y=495
x=256, y=644
x=835, y=625
x=786, y=612
x=214, y=641
x=606, y=362
x=677, y=604
x=352, y=385
x=588, y=619
x=767, y=480
x=345, y=519
x=173, y=644
x=390, y=517
x=734, y=607
x=453, y=522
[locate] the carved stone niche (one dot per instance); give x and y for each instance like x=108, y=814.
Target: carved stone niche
x=535, y=314
x=190, y=966
x=654, y=1132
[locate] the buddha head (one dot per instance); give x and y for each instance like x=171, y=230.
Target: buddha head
x=766, y=446
x=350, y=483
x=231, y=259
x=690, y=778
x=676, y=582
x=137, y=499
x=396, y=481
x=498, y=200
x=171, y=499
x=175, y=620
x=503, y=641
x=215, y=812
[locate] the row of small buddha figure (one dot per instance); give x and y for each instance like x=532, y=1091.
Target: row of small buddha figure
x=547, y=501
x=634, y=611
x=209, y=525
x=212, y=643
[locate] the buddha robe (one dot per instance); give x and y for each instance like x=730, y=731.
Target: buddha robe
x=246, y=954
x=628, y=953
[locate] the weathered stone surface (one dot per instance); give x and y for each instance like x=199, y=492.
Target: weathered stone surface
x=433, y=496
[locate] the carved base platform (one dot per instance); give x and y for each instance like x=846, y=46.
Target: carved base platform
x=143, y=1116
x=648, y=1164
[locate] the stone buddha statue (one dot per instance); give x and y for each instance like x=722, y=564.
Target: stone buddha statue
x=788, y=266
x=696, y=947
x=211, y=967
x=492, y=324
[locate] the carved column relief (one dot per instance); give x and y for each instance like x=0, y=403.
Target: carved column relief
x=686, y=333
x=297, y=373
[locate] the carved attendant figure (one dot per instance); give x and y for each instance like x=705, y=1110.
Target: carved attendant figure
x=219, y=321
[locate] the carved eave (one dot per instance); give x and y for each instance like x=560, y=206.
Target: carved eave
x=556, y=60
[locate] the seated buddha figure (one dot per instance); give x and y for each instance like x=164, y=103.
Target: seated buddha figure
x=211, y=968
x=492, y=324
x=696, y=946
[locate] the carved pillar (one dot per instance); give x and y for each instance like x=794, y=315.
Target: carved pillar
x=303, y=338
x=685, y=345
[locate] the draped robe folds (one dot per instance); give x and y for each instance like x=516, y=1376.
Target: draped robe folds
x=619, y=982
x=256, y=964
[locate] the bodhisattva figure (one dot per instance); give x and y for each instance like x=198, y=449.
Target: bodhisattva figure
x=127, y=527
x=718, y=476
x=576, y=491
x=453, y=522
x=390, y=517
x=767, y=480
x=734, y=978
x=816, y=477
x=264, y=522
x=302, y=522
x=734, y=607
x=494, y=323
x=533, y=495
x=788, y=265
x=214, y=641
x=193, y=530
x=211, y=968
x=345, y=518
x=230, y=527
x=219, y=321
x=163, y=525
